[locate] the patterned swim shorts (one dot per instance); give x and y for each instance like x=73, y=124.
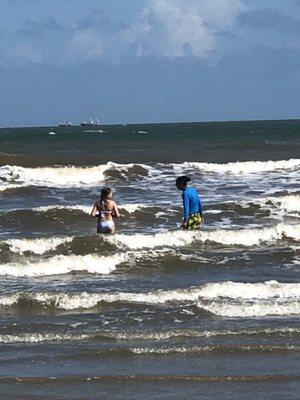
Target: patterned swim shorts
x=194, y=221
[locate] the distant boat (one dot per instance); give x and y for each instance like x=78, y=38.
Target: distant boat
x=65, y=123
x=91, y=122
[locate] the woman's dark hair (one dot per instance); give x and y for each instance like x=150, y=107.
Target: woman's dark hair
x=105, y=192
x=102, y=203
x=182, y=179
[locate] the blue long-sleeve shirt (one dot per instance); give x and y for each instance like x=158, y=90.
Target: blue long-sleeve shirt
x=191, y=202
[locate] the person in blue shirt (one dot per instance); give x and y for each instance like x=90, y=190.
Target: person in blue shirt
x=192, y=206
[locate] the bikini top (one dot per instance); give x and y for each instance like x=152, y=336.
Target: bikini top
x=102, y=213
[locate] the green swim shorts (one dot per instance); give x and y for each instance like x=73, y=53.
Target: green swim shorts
x=194, y=221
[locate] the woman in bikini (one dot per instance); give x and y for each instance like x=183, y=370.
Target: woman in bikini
x=105, y=209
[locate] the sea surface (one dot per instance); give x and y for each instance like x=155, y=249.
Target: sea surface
x=152, y=312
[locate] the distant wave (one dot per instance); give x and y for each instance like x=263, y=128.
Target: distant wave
x=54, y=176
x=231, y=299
x=71, y=176
x=64, y=176
x=244, y=167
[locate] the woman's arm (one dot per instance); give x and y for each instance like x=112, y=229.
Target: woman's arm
x=115, y=210
x=94, y=212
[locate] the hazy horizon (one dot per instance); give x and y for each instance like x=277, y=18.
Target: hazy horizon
x=148, y=60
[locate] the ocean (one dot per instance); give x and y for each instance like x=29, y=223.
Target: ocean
x=152, y=312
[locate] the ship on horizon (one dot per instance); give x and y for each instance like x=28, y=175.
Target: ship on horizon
x=91, y=122
x=65, y=123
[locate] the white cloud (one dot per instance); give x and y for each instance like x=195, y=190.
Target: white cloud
x=87, y=44
x=176, y=28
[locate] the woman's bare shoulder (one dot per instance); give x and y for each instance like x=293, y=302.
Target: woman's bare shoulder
x=111, y=203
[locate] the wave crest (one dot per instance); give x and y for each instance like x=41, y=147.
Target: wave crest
x=226, y=299
x=61, y=264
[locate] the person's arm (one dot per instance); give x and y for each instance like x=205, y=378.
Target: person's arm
x=186, y=207
x=116, y=213
x=94, y=212
x=200, y=205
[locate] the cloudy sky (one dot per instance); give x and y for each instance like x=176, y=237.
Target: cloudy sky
x=148, y=60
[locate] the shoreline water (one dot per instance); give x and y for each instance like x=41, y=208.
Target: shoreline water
x=151, y=311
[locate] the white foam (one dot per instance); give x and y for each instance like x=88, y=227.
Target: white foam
x=198, y=333
x=41, y=337
x=37, y=246
x=245, y=167
x=7, y=186
x=130, y=208
x=232, y=299
x=287, y=203
x=126, y=167
x=258, y=309
x=83, y=208
x=63, y=265
x=59, y=176
x=65, y=176
x=225, y=298
x=243, y=237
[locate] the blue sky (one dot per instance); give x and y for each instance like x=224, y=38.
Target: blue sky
x=148, y=60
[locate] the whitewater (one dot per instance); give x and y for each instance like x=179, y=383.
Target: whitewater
x=151, y=309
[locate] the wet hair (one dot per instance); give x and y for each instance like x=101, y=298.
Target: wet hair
x=105, y=192
x=182, y=179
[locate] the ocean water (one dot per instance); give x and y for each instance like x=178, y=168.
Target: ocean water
x=152, y=311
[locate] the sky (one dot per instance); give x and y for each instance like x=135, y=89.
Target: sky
x=142, y=61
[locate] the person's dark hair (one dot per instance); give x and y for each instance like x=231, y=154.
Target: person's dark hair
x=182, y=179
x=105, y=192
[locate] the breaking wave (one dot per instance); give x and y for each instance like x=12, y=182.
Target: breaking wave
x=40, y=337
x=64, y=176
x=231, y=299
x=13, y=176
x=179, y=238
x=130, y=208
x=54, y=176
x=212, y=348
x=290, y=203
x=37, y=246
x=246, y=167
x=142, y=335
x=62, y=264
x=242, y=237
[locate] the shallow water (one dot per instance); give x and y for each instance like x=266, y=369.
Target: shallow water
x=152, y=310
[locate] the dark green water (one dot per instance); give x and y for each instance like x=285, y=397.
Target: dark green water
x=153, y=311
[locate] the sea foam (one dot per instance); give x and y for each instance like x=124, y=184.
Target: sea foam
x=64, y=264
x=242, y=237
x=245, y=167
x=55, y=176
x=66, y=176
x=224, y=298
x=37, y=246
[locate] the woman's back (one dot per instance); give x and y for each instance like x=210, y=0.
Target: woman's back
x=105, y=209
